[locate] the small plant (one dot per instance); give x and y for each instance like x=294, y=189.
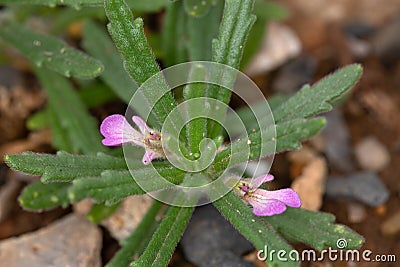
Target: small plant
x=185, y=144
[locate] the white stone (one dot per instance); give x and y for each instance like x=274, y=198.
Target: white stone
x=371, y=154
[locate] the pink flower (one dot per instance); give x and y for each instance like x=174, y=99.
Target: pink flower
x=264, y=202
x=117, y=131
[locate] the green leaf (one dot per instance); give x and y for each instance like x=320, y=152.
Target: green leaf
x=71, y=114
x=257, y=230
x=38, y=120
x=201, y=32
x=165, y=238
x=268, y=10
x=235, y=26
x=52, y=3
x=63, y=166
x=289, y=136
x=50, y=52
x=97, y=42
x=317, y=229
x=113, y=186
x=138, y=5
x=93, y=96
x=38, y=196
x=139, y=60
x=148, y=6
x=174, y=34
x=100, y=212
x=310, y=101
x=132, y=244
x=67, y=16
x=197, y=127
x=198, y=8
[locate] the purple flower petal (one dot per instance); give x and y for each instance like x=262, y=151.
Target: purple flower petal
x=148, y=157
x=117, y=131
x=141, y=124
x=288, y=196
x=266, y=207
x=258, y=181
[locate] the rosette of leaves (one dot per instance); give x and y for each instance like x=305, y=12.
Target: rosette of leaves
x=83, y=168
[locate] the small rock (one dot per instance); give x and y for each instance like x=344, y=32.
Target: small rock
x=371, y=154
x=71, y=241
x=386, y=43
x=356, y=212
x=365, y=187
x=279, y=45
x=392, y=225
x=294, y=74
x=311, y=184
x=211, y=241
x=338, y=148
x=127, y=217
x=359, y=29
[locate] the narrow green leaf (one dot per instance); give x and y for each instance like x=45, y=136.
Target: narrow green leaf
x=59, y=137
x=132, y=244
x=100, y=212
x=93, y=96
x=139, y=60
x=113, y=186
x=310, y=101
x=71, y=114
x=235, y=26
x=257, y=230
x=289, y=136
x=165, y=239
x=52, y=3
x=38, y=196
x=138, y=5
x=198, y=8
x=63, y=166
x=38, y=120
x=317, y=229
x=174, y=34
x=201, y=31
x=97, y=42
x=67, y=16
x=268, y=10
x=148, y=6
x=50, y=52
x=195, y=128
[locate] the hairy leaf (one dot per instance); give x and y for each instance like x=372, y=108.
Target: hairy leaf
x=317, y=229
x=139, y=60
x=131, y=245
x=257, y=230
x=318, y=98
x=165, y=238
x=113, y=186
x=289, y=136
x=50, y=52
x=63, y=166
x=38, y=196
x=236, y=24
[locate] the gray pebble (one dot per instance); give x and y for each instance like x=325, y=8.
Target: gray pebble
x=365, y=187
